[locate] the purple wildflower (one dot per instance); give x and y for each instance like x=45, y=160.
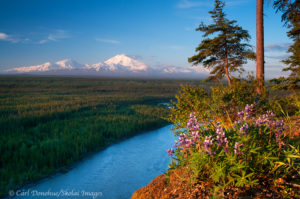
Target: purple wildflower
x=193, y=124
x=176, y=144
x=188, y=142
x=195, y=135
x=170, y=151
x=220, y=135
x=207, y=143
x=246, y=113
x=279, y=123
x=244, y=129
x=265, y=119
x=226, y=145
x=237, y=148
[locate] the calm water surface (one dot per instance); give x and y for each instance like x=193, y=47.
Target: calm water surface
x=115, y=172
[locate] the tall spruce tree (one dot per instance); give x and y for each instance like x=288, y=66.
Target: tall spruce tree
x=222, y=49
x=291, y=17
x=260, y=58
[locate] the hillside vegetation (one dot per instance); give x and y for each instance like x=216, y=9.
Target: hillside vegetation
x=49, y=122
x=232, y=143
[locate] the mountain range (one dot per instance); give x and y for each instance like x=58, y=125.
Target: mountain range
x=119, y=65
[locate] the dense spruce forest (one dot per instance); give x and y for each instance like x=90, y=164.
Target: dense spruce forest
x=47, y=123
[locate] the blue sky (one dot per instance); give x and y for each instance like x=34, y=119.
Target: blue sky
x=158, y=32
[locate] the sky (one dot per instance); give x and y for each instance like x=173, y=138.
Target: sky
x=157, y=32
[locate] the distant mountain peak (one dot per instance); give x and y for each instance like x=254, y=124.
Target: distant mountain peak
x=68, y=64
x=65, y=63
x=119, y=65
x=25, y=69
x=126, y=62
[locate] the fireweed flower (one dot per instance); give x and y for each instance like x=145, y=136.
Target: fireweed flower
x=245, y=114
x=237, y=148
x=248, y=108
x=176, y=144
x=195, y=135
x=193, y=124
x=170, y=151
x=207, y=143
x=279, y=124
x=244, y=129
x=265, y=119
x=226, y=145
x=220, y=135
x=246, y=120
x=182, y=139
x=188, y=143
x=221, y=138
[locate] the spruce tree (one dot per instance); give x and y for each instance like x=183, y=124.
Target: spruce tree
x=222, y=49
x=291, y=17
x=260, y=58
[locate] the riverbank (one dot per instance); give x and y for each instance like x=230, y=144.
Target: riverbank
x=118, y=170
x=64, y=169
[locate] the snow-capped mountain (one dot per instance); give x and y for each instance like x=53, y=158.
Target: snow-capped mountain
x=25, y=69
x=66, y=64
x=123, y=61
x=98, y=66
x=119, y=65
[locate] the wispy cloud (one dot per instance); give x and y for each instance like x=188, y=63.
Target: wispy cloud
x=3, y=36
x=9, y=38
x=58, y=35
x=55, y=36
x=110, y=41
x=277, y=47
x=43, y=41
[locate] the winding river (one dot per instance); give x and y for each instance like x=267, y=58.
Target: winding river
x=115, y=172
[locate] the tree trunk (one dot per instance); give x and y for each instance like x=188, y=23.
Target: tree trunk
x=259, y=46
x=227, y=72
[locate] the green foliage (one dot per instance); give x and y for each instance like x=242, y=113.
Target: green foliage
x=252, y=151
x=187, y=101
x=291, y=16
x=288, y=105
x=263, y=153
x=242, y=92
x=218, y=103
x=48, y=123
x=225, y=53
x=198, y=162
x=286, y=83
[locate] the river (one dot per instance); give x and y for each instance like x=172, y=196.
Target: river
x=113, y=173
